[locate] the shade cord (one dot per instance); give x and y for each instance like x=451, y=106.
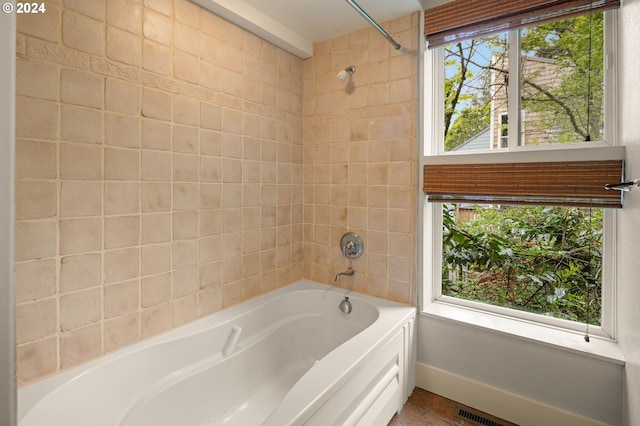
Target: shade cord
x=587, y=139
x=586, y=334
x=588, y=136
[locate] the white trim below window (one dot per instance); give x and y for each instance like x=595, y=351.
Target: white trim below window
x=569, y=340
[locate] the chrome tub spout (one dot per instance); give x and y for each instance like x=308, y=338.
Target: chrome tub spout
x=349, y=273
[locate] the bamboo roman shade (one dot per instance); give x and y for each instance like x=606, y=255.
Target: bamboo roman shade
x=467, y=19
x=568, y=183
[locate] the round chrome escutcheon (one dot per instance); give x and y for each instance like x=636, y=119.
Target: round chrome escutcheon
x=351, y=245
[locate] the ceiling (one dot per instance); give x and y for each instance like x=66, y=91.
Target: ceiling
x=296, y=24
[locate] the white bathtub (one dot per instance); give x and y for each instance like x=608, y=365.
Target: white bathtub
x=290, y=357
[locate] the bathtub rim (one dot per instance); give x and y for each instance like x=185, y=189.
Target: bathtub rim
x=30, y=395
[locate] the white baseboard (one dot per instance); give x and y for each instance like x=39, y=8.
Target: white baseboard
x=494, y=401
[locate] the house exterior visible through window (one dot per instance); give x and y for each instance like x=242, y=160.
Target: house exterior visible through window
x=542, y=94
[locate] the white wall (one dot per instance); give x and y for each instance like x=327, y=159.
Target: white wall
x=576, y=383
x=7, y=309
x=629, y=217
x=592, y=388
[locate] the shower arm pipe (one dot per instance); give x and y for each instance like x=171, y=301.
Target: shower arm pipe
x=386, y=35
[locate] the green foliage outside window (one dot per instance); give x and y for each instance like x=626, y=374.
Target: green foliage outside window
x=540, y=259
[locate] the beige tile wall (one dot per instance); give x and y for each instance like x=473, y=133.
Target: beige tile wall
x=158, y=174
x=160, y=169
x=360, y=156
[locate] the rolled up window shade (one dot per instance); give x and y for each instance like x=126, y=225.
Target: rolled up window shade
x=468, y=19
x=567, y=183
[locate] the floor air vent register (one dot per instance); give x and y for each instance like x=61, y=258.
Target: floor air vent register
x=476, y=418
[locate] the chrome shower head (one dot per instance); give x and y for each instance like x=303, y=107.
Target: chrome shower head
x=344, y=74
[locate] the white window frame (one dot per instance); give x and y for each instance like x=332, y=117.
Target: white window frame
x=494, y=317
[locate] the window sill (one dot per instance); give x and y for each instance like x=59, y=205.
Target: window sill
x=598, y=347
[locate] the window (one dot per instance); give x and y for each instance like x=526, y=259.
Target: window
x=504, y=130
x=539, y=259
x=535, y=93
x=554, y=71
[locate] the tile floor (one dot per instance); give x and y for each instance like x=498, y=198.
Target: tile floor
x=428, y=409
